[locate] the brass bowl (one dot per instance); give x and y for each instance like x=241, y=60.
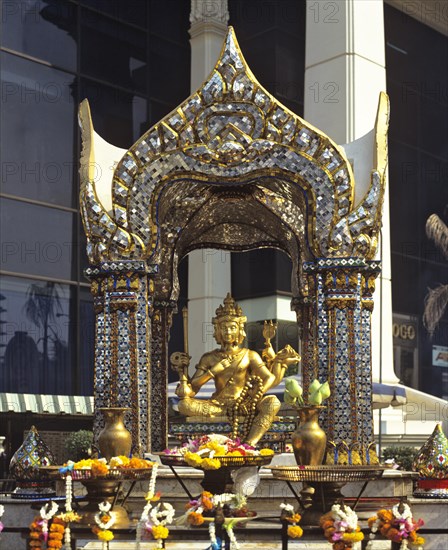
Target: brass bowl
x=327, y=473
x=226, y=461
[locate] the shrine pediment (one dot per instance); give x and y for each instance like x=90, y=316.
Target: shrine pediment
x=231, y=132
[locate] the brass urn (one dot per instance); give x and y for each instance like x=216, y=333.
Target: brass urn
x=309, y=440
x=114, y=439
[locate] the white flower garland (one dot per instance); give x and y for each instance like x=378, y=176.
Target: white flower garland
x=347, y=515
x=162, y=517
x=146, y=510
x=406, y=515
x=233, y=542
x=104, y=508
x=68, y=508
x=222, y=499
x=46, y=514
x=289, y=508
x=212, y=534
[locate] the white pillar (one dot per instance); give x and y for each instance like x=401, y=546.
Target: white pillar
x=344, y=73
x=208, y=270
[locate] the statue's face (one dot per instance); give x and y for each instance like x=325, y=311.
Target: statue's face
x=230, y=332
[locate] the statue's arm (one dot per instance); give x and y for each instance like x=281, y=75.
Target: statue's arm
x=204, y=372
x=258, y=368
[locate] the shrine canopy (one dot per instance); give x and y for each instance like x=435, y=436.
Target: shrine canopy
x=230, y=168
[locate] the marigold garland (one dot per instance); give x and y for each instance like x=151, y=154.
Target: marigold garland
x=104, y=521
x=294, y=530
x=340, y=527
x=397, y=525
x=195, y=519
x=40, y=533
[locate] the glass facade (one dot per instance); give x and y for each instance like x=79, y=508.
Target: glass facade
x=132, y=61
x=417, y=83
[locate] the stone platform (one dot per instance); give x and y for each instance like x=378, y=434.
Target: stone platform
x=265, y=501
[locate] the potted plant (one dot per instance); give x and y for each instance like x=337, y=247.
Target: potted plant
x=79, y=445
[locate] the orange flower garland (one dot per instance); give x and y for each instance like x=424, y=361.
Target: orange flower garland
x=39, y=532
x=56, y=533
x=397, y=525
x=294, y=530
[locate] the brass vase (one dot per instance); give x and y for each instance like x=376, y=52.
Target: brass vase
x=114, y=439
x=309, y=440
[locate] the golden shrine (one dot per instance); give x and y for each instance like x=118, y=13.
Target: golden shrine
x=232, y=168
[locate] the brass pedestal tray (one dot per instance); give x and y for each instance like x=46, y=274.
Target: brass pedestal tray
x=104, y=488
x=215, y=481
x=323, y=484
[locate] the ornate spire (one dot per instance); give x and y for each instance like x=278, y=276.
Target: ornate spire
x=233, y=131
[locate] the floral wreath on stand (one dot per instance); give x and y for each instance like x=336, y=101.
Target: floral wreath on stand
x=154, y=521
x=104, y=521
x=288, y=514
x=341, y=527
x=397, y=525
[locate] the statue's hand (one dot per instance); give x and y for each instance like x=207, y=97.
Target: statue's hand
x=287, y=356
x=179, y=361
x=269, y=330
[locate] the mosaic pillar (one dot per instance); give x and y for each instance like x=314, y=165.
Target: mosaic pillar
x=121, y=292
x=337, y=348
x=162, y=316
x=305, y=308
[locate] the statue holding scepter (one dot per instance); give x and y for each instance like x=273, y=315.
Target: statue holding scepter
x=240, y=375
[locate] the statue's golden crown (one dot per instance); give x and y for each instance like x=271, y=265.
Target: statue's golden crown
x=229, y=309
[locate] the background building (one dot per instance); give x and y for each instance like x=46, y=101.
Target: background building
x=132, y=60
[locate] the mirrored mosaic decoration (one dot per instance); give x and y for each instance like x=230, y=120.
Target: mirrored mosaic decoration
x=232, y=168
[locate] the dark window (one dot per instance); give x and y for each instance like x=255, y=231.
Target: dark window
x=132, y=11
x=86, y=328
x=35, y=26
x=260, y=273
x=35, y=343
x=118, y=117
x=169, y=71
x=37, y=131
x=272, y=37
x=113, y=52
x=416, y=60
x=37, y=240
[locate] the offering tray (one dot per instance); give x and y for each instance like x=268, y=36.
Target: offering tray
x=219, y=480
x=226, y=461
x=327, y=474
x=85, y=474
